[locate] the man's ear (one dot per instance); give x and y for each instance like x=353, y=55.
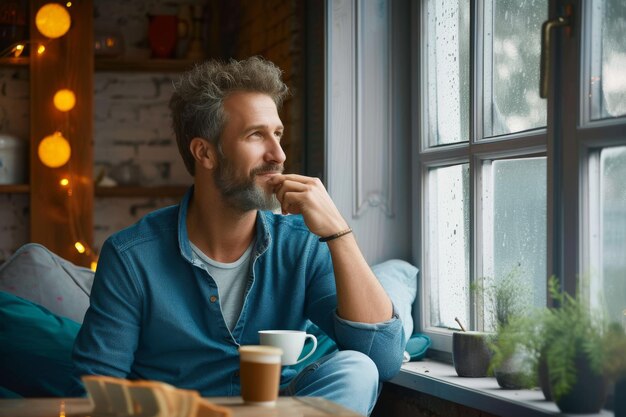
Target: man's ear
x=204, y=152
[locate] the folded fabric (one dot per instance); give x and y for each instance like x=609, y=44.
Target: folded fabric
x=35, y=350
x=38, y=275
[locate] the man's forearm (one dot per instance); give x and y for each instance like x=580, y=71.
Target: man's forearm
x=360, y=297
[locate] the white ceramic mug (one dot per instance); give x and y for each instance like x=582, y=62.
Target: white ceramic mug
x=290, y=341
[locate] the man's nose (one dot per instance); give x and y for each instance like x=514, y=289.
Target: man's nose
x=275, y=153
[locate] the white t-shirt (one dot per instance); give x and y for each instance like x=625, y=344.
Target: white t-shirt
x=231, y=279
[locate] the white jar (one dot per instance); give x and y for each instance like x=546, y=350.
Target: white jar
x=12, y=160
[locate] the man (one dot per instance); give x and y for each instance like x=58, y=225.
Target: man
x=177, y=293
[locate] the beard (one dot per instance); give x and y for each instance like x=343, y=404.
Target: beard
x=243, y=193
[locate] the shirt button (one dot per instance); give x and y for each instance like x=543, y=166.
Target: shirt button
x=213, y=299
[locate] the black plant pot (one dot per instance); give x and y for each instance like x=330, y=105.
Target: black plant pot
x=544, y=378
x=588, y=393
x=619, y=398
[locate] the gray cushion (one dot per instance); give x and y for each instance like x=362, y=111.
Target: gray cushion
x=38, y=275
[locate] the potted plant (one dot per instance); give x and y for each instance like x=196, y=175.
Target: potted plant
x=507, y=305
x=582, y=352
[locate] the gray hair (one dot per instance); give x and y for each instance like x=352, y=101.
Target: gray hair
x=197, y=104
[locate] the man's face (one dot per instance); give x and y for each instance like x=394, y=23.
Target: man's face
x=250, y=152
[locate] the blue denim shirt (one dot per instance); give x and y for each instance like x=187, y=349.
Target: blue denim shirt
x=154, y=314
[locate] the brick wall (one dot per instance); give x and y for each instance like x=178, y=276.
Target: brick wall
x=273, y=29
x=131, y=118
x=14, y=121
x=397, y=401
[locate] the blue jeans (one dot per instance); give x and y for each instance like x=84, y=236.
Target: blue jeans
x=346, y=377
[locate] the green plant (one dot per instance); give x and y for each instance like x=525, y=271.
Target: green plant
x=504, y=298
x=507, y=305
x=573, y=332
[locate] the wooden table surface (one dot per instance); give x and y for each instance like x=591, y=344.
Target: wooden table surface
x=77, y=407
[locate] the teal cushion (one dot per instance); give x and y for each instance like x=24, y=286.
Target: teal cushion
x=35, y=350
x=417, y=346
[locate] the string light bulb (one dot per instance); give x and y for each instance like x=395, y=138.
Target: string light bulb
x=94, y=265
x=52, y=20
x=41, y=49
x=17, y=50
x=54, y=150
x=80, y=248
x=64, y=182
x=64, y=99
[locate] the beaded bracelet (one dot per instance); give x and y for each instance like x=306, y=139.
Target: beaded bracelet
x=336, y=235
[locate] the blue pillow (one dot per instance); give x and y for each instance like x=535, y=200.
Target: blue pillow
x=35, y=350
x=399, y=279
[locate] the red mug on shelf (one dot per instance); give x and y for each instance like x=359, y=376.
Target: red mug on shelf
x=162, y=34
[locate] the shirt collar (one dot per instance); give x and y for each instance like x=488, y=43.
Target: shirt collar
x=262, y=229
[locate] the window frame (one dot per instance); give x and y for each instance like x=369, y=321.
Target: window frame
x=477, y=148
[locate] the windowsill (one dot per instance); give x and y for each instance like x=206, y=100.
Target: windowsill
x=440, y=380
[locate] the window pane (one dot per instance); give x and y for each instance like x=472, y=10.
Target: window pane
x=447, y=63
x=512, y=33
x=608, y=59
x=447, y=250
x=514, y=216
x=610, y=280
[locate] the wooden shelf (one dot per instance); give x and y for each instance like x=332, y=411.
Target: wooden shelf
x=175, y=191
x=14, y=188
x=145, y=65
x=14, y=62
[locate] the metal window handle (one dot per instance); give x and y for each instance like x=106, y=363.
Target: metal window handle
x=546, y=30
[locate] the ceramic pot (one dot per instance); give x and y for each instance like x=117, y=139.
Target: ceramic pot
x=544, y=378
x=619, y=398
x=163, y=34
x=588, y=393
x=514, y=372
x=471, y=354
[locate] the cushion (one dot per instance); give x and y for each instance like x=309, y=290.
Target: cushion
x=35, y=350
x=399, y=279
x=38, y=275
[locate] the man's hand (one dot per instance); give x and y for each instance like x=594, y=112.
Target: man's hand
x=307, y=196
x=360, y=297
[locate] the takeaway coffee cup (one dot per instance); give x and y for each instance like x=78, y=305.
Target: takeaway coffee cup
x=260, y=374
x=290, y=342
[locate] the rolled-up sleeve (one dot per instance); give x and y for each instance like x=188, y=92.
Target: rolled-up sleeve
x=383, y=342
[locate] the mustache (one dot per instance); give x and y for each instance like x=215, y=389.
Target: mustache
x=267, y=169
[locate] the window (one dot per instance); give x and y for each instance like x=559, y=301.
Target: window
x=599, y=138
x=510, y=183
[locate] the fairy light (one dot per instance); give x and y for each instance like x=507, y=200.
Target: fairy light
x=80, y=247
x=94, y=265
x=52, y=20
x=64, y=99
x=41, y=49
x=64, y=182
x=17, y=50
x=54, y=150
